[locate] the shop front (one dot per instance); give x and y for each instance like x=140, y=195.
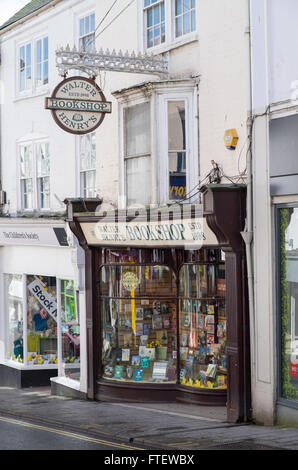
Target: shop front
x=40, y=308
x=166, y=303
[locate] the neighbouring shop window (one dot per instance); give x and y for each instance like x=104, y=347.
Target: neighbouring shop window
x=137, y=153
x=42, y=61
x=288, y=255
x=41, y=320
x=139, y=324
x=202, y=326
x=87, y=32
x=87, y=145
x=176, y=149
x=70, y=329
x=14, y=306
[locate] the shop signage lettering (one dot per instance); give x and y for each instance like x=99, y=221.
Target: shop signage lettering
x=175, y=233
x=36, y=236
x=44, y=298
x=78, y=105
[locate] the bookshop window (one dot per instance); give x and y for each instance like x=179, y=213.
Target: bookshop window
x=288, y=294
x=41, y=320
x=202, y=326
x=138, y=314
x=14, y=303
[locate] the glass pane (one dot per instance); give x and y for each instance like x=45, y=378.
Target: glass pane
x=138, y=181
x=202, y=281
x=139, y=338
x=156, y=15
x=82, y=32
x=28, y=55
x=119, y=281
x=14, y=293
x=45, y=72
x=202, y=328
x=289, y=302
x=178, y=7
x=177, y=153
x=45, y=49
x=41, y=320
x=27, y=193
x=87, y=24
x=92, y=24
x=70, y=327
x=179, y=31
x=137, y=129
x=38, y=51
x=186, y=23
x=193, y=20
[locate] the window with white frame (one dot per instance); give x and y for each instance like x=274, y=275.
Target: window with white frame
x=26, y=175
x=137, y=153
x=163, y=169
x=168, y=21
x=33, y=64
x=155, y=22
x=87, y=157
x=35, y=176
x=42, y=61
x=43, y=175
x=185, y=17
x=25, y=67
x=87, y=32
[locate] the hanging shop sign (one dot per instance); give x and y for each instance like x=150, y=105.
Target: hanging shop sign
x=185, y=233
x=78, y=105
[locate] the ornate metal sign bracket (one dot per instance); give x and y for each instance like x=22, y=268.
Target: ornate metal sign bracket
x=94, y=62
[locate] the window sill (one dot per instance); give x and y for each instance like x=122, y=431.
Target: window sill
x=187, y=39
x=32, y=94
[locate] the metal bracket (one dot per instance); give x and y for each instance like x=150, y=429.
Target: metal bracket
x=94, y=62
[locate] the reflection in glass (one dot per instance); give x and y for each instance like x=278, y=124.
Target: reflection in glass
x=41, y=320
x=139, y=336
x=202, y=326
x=70, y=328
x=14, y=290
x=288, y=219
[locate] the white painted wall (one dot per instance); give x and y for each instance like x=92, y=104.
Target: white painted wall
x=218, y=52
x=26, y=117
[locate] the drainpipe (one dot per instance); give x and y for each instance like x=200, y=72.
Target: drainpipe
x=2, y=193
x=247, y=234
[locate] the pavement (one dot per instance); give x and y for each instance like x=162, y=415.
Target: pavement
x=165, y=426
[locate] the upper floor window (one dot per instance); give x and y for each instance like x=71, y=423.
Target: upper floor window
x=155, y=22
x=185, y=17
x=33, y=65
x=166, y=22
x=159, y=160
x=87, y=32
x=35, y=175
x=25, y=67
x=87, y=148
x=42, y=62
x=137, y=152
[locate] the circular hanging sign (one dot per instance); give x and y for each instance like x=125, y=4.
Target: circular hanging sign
x=130, y=280
x=78, y=105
